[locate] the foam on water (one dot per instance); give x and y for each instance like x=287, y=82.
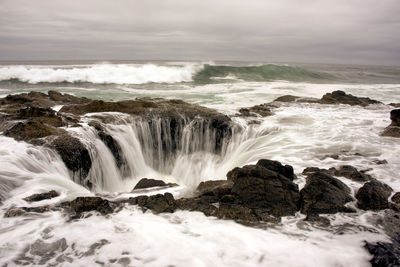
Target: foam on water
x=100, y=73
x=299, y=134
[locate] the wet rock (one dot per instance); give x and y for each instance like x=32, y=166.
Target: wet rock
x=291, y=98
x=14, y=212
x=83, y=204
x=384, y=253
x=114, y=147
x=287, y=98
x=373, y=196
x=42, y=196
x=276, y=166
x=148, y=183
x=29, y=130
x=237, y=213
x=352, y=173
x=396, y=105
x=262, y=110
x=340, y=97
x=157, y=203
x=324, y=194
x=393, y=130
x=310, y=170
x=396, y=198
x=75, y=156
x=260, y=188
x=318, y=220
x=380, y=161
x=202, y=204
x=217, y=188
x=21, y=211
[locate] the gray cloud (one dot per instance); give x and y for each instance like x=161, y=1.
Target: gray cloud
x=341, y=31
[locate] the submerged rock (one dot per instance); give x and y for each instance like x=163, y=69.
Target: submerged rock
x=324, y=194
x=384, y=253
x=148, y=183
x=393, y=130
x=83, y=204
x=373, y=196
x=42, y=196
x=352, y=173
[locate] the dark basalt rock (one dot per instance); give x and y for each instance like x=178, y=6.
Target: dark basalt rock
x=42, y=196
x=352, y=173
x=218, y=188
x=263, y=110
x=75, y=156
x=277, y=167
x=83, y=204
x=396, y=198
x=260, y=188
x=148, y=183
x=340, y=97
x=373, y=196
x=393, y=130
x=384, y=253
x=324, y=194
x=291, y=98
x=310, y=170
x=157, y=203
x=31, y=130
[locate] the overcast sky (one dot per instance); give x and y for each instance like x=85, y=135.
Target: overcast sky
x=327, y=31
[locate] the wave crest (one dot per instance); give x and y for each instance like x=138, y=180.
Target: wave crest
x=101, y=74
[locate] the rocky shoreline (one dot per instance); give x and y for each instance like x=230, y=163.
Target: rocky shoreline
x=251, y=194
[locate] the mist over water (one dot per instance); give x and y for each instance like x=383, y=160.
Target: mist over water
x=299, y=134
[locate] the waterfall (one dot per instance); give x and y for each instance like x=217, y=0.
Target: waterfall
x=178, y=149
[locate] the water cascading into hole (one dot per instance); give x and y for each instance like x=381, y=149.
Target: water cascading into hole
x=176, y=150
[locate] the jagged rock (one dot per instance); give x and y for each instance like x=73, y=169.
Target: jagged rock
x=396, y=198
x=373, y=196
x=324, y=194
x=42, y=196
x=384, y=253
x=262, y=110
x=352, y=173
x=157, y=203
x=83, y=204
x=74, y=154
x=217, y=188
x=277, y=167
x=340, y=97
x=148, y=183
x=393, y=130
x=260, y=188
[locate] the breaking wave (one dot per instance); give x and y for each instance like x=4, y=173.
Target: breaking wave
x=152, y=73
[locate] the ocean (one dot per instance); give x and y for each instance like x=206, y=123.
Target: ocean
x=298, y=134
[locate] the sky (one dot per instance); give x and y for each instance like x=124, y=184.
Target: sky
x=320, y=31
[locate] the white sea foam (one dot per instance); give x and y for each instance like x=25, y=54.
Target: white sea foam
x=101, y=73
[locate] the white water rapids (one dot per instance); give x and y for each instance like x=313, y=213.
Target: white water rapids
x=299, y=134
